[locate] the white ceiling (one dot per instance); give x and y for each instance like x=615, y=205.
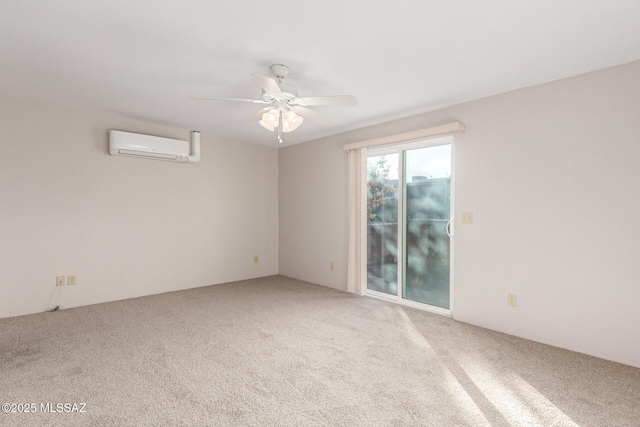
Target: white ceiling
x=145, y=59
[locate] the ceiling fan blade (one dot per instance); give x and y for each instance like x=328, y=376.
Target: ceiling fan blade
x=310, y=114
x=326, y=100
x=254, y=101
x=269, y=85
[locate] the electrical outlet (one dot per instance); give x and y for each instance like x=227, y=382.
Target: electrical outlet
x=512, y=300
x=71, y=279
x=255, y=259
x=331, y=266
x=59, y=280
x=467, y=217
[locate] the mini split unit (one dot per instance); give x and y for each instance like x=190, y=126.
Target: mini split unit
x=154, y=147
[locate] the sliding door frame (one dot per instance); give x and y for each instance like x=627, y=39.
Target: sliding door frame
x=399, y=149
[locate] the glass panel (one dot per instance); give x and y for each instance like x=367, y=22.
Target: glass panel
x=382, y=223
x=427, y=212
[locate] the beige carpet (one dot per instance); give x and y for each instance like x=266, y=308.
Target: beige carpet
x=280, y=352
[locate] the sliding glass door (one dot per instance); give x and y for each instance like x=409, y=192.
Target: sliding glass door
x=427, y=201
x=408, y=223
x=382, y=223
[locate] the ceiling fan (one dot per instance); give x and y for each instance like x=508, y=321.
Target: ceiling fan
x=285, y=111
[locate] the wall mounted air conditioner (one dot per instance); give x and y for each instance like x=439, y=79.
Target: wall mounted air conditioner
x=154, y=147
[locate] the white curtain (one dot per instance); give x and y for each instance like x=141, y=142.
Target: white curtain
x=357, y=262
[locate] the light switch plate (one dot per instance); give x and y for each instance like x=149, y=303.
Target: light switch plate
x=467, y=217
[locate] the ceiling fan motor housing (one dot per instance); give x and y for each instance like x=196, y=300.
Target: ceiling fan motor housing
x=289, y=93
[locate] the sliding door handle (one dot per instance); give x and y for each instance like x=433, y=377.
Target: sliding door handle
x=448, y=229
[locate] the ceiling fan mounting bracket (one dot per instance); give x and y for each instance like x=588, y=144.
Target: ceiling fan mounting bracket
x=281, y=71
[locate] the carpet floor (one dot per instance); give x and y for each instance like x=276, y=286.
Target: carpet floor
x=276, y=351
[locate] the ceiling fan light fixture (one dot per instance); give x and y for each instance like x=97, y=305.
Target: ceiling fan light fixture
x=291, y=121
x=266, y=126
x=270, y=119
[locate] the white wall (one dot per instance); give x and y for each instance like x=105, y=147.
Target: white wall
x=125, y=227
x=313, y=222
x=552, y=175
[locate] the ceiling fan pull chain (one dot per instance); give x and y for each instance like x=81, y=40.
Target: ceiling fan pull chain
x=280, y=128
